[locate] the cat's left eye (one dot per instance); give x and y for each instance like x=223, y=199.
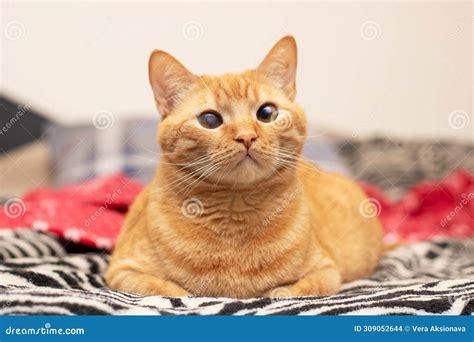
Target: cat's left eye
x=267, y=113
x=210, y=120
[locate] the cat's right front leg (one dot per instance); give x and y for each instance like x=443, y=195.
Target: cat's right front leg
x=130, y=280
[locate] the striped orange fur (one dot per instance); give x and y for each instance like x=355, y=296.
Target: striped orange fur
x=234, y=210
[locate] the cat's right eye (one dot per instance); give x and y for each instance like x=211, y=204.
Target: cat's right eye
x=210, y=120
x=267, y=113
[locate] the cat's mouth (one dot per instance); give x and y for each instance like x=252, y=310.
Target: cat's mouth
x=247, y=158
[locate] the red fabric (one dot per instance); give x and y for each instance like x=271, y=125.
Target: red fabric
x=92, y=213
x=429, y=209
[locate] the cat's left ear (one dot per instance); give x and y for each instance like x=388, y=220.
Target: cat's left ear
x=279, y=66
x=169, y=80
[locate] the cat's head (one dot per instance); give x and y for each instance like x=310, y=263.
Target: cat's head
x=238, y=128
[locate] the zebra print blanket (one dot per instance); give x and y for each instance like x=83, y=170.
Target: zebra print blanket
x=39, y=276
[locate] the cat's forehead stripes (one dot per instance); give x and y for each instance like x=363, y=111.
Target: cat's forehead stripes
x=233, y=87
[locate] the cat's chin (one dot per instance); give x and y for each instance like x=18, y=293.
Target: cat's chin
x=245, y=173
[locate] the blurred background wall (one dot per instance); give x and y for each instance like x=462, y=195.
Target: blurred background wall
x=395, y=68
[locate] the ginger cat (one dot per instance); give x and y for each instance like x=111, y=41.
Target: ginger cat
x=233, y=210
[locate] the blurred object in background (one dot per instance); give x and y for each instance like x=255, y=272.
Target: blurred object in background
x=323, y=150
x=83, y=152
x=24, y=158
x=395, y=165
x=24, y=168
x=19, y=124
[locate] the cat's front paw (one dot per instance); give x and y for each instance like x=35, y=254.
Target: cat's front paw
x=325, y=282
x=177, y=292
x=322, y=289
x=322, y=283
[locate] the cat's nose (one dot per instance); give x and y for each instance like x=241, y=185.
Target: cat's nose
x=246, y=138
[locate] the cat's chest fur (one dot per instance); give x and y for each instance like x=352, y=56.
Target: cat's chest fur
x=240, y=244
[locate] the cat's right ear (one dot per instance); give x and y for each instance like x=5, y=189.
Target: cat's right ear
x=169, y=79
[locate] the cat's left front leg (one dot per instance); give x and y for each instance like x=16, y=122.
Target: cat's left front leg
x=324, y=279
